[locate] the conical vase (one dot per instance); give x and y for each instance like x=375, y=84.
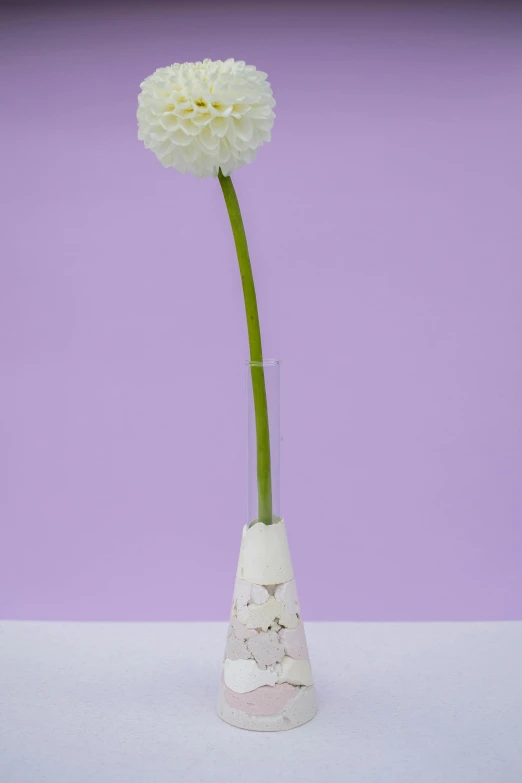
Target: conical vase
x=267, y=682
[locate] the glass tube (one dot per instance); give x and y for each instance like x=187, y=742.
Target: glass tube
x=263, y=481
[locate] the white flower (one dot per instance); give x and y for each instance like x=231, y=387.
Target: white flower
x=205, y=116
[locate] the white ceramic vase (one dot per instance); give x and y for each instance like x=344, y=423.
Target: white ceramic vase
x=267, y=682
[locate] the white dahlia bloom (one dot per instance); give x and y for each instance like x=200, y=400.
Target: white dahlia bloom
x=205, y=116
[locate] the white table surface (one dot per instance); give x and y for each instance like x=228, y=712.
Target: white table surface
x=134, y=703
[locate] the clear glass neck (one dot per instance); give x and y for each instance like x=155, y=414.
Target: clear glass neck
x=263, y=403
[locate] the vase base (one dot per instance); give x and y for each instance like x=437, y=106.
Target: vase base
x=301, y=709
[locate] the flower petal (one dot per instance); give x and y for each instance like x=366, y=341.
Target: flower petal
x=219, y=126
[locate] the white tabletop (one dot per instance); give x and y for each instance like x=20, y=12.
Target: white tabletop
x=134, y=703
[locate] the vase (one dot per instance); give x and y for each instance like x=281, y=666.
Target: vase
x=266, y=683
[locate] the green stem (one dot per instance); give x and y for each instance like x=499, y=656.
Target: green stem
x=264, y=476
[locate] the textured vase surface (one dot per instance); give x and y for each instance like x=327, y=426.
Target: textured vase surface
x=267, y=682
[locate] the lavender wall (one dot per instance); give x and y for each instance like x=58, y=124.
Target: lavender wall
x=384, y=222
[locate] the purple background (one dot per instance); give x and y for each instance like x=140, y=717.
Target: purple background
x=385, y=229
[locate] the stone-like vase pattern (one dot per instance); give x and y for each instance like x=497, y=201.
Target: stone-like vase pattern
x=267, y=682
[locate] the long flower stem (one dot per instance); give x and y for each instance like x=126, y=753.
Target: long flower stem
x=264, y=476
